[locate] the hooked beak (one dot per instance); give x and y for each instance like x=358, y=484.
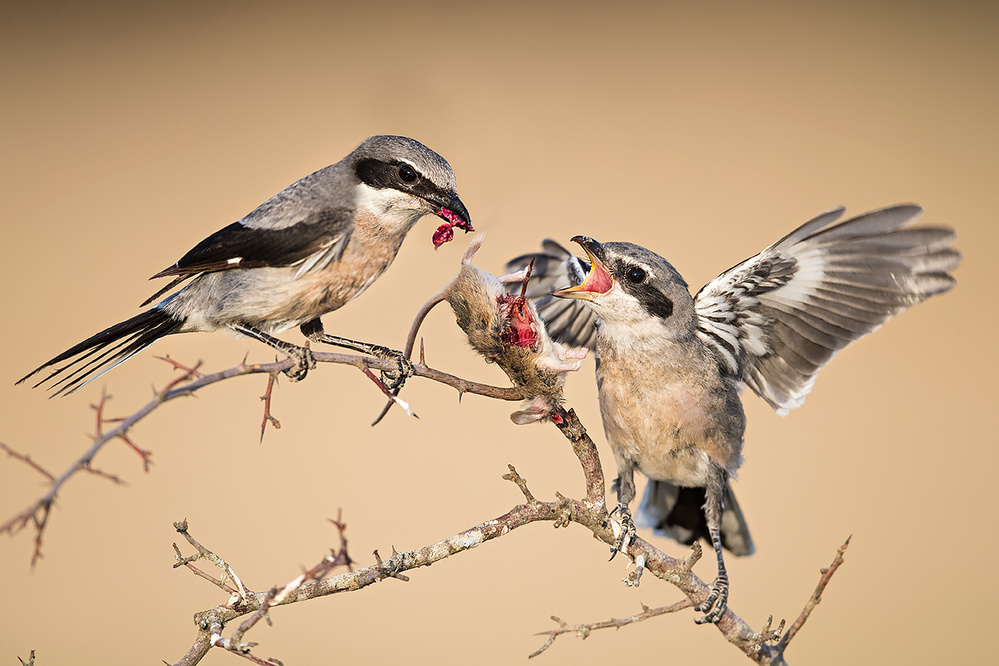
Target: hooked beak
x=454, y=214
x=598, y=281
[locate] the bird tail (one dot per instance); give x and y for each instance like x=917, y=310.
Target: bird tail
x=678, y=513
x=101, y=352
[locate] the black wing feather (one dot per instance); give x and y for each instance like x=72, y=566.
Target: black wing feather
x=242, y=246
x=258, y=247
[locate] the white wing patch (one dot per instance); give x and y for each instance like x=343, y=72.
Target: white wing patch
x=727, y=315
x=775, y=319
x=322, y=258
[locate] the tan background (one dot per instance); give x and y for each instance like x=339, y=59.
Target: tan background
x=705, y=134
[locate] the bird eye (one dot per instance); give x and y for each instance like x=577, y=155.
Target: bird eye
x=407, y=173
x=635, y=274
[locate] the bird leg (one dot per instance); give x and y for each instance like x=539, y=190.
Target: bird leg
x=625, y=485
x=302, y=356
x=393, y=379
x=715, y=605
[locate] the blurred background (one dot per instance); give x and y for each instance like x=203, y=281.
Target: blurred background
x=702, y=132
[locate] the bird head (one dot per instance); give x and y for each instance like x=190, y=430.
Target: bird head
x=401, y=180
x=628, y=285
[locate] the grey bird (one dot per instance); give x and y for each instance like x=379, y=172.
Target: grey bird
x=304, y=252
x=670, y=366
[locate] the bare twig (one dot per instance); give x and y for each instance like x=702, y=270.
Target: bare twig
x=113, y=478
x=187, y=370
x=37, y=513
x=813, y=601
x=26, y=459
x=241, y=589
x=584, y=630
x=341, y=527
x=266, y=397
x=99, y=433
x=521, y=483
x=189, y=563
x=243, y=596
x=588, y=512
x=318, y=572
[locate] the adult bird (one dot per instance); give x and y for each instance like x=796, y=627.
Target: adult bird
x=670, y=366
x=304, y=252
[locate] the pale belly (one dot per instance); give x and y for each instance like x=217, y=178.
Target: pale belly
x=673, y=430
x=274, y=299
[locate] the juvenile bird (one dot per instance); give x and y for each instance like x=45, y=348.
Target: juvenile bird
x=306, y=251
x=670, y=366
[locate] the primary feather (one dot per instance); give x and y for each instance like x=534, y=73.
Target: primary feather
x=775, y=319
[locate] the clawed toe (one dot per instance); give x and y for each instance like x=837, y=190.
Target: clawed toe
x=304, y=361
x=716, y=603
x=394, y=379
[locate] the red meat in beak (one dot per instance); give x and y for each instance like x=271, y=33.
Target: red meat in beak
x=458, y=217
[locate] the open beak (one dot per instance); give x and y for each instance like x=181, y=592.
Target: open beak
x=454, y=214
x=598, y=281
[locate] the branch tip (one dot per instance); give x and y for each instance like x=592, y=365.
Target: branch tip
x=695, y=555
x=266, y=397
x=813, y=601
x=583, y=630
x=521, y=483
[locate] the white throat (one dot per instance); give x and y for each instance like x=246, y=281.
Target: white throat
x=390, y=207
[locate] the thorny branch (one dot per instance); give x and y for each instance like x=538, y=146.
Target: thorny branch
x=590, y=512
x=26, y=459
x=268, y=417
x=37, y=513
x=260, y=603
x=584, y=630
x=764, y=647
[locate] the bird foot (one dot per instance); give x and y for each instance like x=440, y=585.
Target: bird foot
x=623, y=530
x=716, y=603
x=393, y=379
x=304, y=361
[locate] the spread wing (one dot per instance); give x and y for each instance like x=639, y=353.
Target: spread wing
x=568, y=321
x=775, y=319
x=312, y=243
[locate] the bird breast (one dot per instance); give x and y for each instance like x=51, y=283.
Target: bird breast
x=670, y=413
x=276, y=299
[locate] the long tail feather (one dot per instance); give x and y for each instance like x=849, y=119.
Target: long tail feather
x=99, y=353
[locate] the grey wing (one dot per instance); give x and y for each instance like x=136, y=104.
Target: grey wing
x=775, y=319
x=316, y=239
x=568, y=321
